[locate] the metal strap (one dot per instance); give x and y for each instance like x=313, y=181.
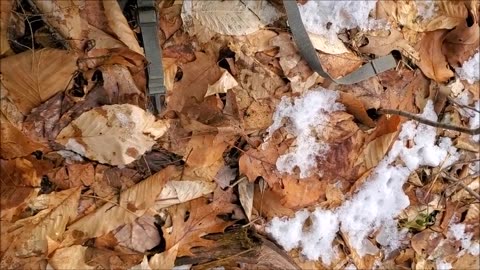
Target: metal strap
x=309, y=53
x=148, y=22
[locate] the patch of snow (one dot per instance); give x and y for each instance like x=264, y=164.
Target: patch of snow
x=426, y=8
x=457, y=232
x=75, y=146
x=470, y=70
x=443, y=265
x=306, y=116
x=350, y=267
x=70, y=156
x=375, y=205
x=327, y=18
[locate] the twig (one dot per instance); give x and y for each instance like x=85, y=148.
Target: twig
x=460, y=183
x=417, y=118
x=463, y=106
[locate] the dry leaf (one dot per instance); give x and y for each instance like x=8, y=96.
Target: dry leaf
x=328, y=45
x=245, y=190
x=33, y=77
x=196, y=77
x=113, y=134
x=176, y=192
x=375, y=150
x=226, y=82
x=31, y=233
x=194, y=219
x=74, y=29
x=382, y=46
x=164, y=260
x=140, y=235
x=229, y=17
x=133, y=203
x=118, y=23
x=356, y=108
x=432, y=61
x=461, y=43
x=70, y=258
x=5, y=11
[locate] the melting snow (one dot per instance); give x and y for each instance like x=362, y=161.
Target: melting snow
x=375, y=205
x=470, y=69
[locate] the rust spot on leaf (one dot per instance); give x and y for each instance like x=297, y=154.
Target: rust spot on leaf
x=131, y=206
x=132, y=152
x=101, y=111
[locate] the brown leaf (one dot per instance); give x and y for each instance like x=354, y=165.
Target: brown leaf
x=356, y=108
x=432, y=61
x=194, y=219
x=33, y=77
x=340, y=65
x=70, y=258
x=113, y=134
x=382, y=46
x=132, y=203
x=197, y=75
x=461, y=43
x=119, y=24
x=5, y=11
x=140, y=235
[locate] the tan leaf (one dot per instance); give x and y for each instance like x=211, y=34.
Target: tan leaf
x=226, y=82
x=170, y=68
x=205, y=150
x=341, y=64
x=194, y=219
x=356, y=108
x=113, y=134
x=74, y=29
x=245, y=190
x=196, y=77
x=176, y=192
x=70, y=258
x=140, y=235
x=14, y=142
x=328, y=45
x=461, y=43
x=33, y=77
x=374, y=151
x=231, y=17
x=119, y=24
x=432, y=61
x=32, y=232
x=132, y=203
x=5, y=11
x=381, y=46
x=164, y=260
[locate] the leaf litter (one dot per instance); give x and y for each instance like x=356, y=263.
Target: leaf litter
x=253, y=145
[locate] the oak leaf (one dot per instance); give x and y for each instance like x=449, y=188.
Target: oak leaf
x=433, y=62
x=461, y=43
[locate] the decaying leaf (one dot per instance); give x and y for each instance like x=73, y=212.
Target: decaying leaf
x=245, y=189
x=113, y=134
x=226, y=82
x=231, y=17
x=5, y=10
x=432, y=61
x=140, y=235
x=132, y=203
x=381, y=46
x=33, y=77
x=176, y=192
x=70, y=258
x=33, y=234
x=194, y=219
x=461, y=43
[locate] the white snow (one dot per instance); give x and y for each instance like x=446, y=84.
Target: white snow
x=426, y=8
x=443, y=265
x=375, y=205
x=457, y=232
x=305, y=117
x=73, y=145
x=327, y=18
x=350, y=267
x=470, y=70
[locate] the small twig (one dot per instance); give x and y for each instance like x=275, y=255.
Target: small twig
x=186, y=159
x=417, y=118
x=463, y=106
x=460, y=183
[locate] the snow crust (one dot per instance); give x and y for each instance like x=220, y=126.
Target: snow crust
x=470, y=70
x=443, y=265
x=327, y=18
x=375, y=205
x=457, y=232
x=304, y=117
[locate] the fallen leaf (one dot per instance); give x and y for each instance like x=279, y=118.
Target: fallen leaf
x=74, y=30
x=119, y=24
x=375, y=150
x=461, y=43
x=432, y=61
x=132, y=203
x=164, y=260
x=340, y=65
x=176, y=192
x=5, y=11
x=192, y=220
x=381, y=46
x=31, y=233
x=140, y=235
x=191, y=89
x=356, y=108
x=33, y=77
x=229, y=18
x=113, y=134
x=70, y=258
x=245, y=190
x=226, y=82
x=328, y=45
